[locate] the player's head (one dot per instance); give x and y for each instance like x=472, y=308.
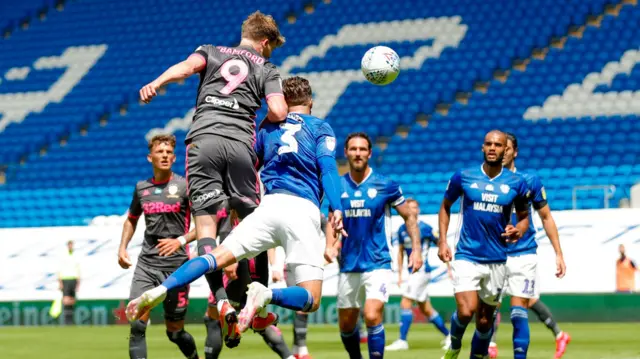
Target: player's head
x=161, y=155
x=297, y=93
x=357, y=149
x=414, y=206
x=621, y=250
x=495, y=143
x=511, y=152
x=263, y=31
x=70, y=246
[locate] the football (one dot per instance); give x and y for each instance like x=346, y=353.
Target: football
x=380, y=65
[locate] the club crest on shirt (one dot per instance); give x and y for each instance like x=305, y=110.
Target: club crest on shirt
x=173, y=190
x=372, y=193
x=505, y=188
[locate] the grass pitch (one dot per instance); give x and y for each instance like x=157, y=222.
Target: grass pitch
x=590, y=341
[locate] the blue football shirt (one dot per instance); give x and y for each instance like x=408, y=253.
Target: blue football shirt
x=367, y=220
x=290, y=150
x=486, y=207
x=427, y=237
x=537, y=199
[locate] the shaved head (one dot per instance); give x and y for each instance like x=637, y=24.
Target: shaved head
x=495, y=143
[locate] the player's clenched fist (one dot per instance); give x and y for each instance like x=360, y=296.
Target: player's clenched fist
x=444, y=252
x=148, y=92
x=123, y=259
x=511, y=233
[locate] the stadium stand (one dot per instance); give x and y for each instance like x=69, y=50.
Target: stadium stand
x=73, y=132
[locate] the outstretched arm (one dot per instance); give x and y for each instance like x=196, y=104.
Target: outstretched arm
x=180, y=71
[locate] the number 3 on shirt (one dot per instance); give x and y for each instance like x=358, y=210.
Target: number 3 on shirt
x=233, y=81
x=291, y=144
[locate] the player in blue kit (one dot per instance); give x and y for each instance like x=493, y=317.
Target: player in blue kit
x=365, y=261
x=298, y=158
x=415, y=289
x=489, y=194
x=522, y=264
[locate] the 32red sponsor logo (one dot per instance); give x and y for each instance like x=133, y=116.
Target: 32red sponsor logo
x=159, y=207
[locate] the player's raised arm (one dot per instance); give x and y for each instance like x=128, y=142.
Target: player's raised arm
x=180, y=71
x=128, y=229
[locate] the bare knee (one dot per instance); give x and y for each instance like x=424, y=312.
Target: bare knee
x=406, y=303
x=467, y=305
x=212, y=312
x=373, y=310
x=426, y=308
x=314, y=287
x=347, y=319
x=174, y=326
x=465, y=312
x=484, y=317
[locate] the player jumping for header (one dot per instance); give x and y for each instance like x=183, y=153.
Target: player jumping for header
x=522, y=264
x=365, y=261
x=220, y=155
x=299, y=161
x=489, y=194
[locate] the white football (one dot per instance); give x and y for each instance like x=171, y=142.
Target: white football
x=380, y=65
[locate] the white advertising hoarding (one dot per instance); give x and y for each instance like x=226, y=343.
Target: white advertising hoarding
x=31, y=256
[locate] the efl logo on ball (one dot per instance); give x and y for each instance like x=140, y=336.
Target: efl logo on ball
x=380, y=65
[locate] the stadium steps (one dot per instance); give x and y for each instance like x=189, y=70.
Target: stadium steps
x=28, y=15
x=172, y=126
x=503, y=75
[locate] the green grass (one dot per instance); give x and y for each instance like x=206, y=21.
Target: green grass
x=590, y=341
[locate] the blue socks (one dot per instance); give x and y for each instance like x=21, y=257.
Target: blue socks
x=521, y=337
x=480, y=344
x=376, y=341
x=457, y=331
x=438, y=322
x=190, y=271
x=294, y=298
x=351, y=343
x=406, y=317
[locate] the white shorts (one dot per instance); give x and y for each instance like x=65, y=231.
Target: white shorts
x=416, y=287
x=486, y=279
x=282, y=220
x=371, y=285
x=522, y=272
